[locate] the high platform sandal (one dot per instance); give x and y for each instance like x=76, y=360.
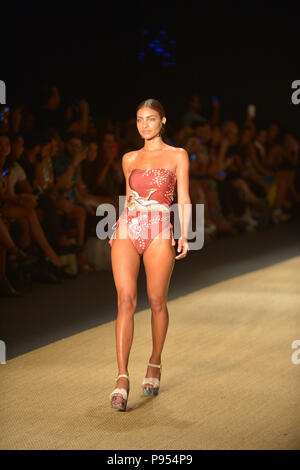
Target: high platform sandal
x=119, y=402
x=153, y=381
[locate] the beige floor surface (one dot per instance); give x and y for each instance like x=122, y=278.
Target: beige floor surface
x=228, y=381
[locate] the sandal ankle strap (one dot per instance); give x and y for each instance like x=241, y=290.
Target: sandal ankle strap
x=155, y=365
x=123, y=375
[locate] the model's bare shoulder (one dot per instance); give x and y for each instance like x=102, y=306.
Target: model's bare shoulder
x=181, y=156
x=127, y=161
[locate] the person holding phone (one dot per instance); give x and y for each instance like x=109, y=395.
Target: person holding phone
x=66, y=167
x=21, y=207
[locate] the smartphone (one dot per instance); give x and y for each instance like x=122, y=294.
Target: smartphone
x=251, y=110
x=70, y=195
x=4, y=173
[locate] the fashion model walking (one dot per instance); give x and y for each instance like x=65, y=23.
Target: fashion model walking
x=151, y=175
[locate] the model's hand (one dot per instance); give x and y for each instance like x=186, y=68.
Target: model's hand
x=182, y=246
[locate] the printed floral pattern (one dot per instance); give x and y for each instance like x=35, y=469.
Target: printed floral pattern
x=145, y=218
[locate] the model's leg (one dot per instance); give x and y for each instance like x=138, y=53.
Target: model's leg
x=125, y=266
x=159, y=260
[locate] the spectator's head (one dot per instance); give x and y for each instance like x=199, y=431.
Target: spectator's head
x=92, y=131
x=50, y=96
x=273, y=131
x=17, y=146
x=192, y=145
x=183, y=135
x=150, y=119
x=32, y=146
x=216, y=135
x=109, y=138
x=262, y=136
x=5, y=148
x=45, y=148
x=194, y=103
x=230, y=131
x=56, y=141
x=203, y=131
x=73, y=144
x=245, y=136
x=110, y=146
x=290, y=143
x=92, y=152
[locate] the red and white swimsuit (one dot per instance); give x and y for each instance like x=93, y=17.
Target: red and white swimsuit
x=147, y=212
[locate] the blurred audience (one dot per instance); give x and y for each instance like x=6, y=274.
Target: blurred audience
x=57, y=164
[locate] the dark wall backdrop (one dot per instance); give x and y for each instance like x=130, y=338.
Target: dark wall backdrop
x=242, y=52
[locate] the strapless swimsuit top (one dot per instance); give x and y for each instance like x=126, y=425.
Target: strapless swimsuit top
x=151, y=189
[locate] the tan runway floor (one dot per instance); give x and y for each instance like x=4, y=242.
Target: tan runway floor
x=228, y=381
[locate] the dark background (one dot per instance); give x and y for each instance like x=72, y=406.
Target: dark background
x=242, y=52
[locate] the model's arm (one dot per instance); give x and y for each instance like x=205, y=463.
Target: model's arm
x=183, y=196
x=127, y=167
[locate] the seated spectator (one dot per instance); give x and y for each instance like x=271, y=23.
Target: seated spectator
x=89, y=174
x=17, y=146
x=111, y=180
x=22, y=120
x=132, y=139
x=66, y=168
x=7, y=245
x=21, y=208
x=192, y=115
x=38, y=179
x=272, y=135
x=203, y=186
x=78, y=116
x=51, y=113
x=277, y=160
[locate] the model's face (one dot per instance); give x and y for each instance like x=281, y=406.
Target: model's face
x=148, y=123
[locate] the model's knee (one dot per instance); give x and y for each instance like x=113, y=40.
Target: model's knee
x=157, y=303
x=127, y=303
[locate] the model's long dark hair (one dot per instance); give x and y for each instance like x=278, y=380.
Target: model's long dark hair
x=157, y=106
